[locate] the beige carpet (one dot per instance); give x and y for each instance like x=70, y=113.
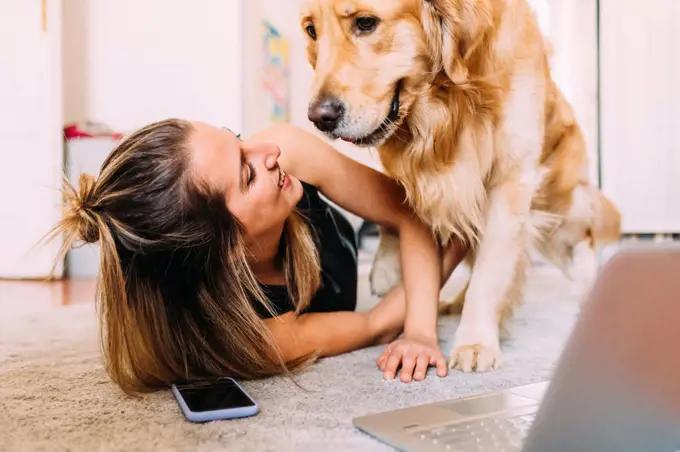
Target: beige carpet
x=54, y=394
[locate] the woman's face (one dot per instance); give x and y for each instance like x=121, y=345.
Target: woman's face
x=258, y=191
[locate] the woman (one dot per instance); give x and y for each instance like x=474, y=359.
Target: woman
x=215, y=261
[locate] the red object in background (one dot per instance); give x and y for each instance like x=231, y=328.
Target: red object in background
x=89, y=130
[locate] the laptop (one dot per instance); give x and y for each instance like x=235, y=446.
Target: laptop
x=616, y=386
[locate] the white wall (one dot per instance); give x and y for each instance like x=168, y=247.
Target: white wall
x=130, y=62
x=75, y=39
x=252, y=51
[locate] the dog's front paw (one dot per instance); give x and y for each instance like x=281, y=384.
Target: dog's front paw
x=386, y=269
x=475, y=357
x=476, y=349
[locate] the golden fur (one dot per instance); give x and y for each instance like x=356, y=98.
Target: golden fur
x=483, y=141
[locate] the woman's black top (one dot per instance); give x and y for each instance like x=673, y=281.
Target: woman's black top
x=337, y=244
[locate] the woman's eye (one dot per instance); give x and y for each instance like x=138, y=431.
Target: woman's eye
x=251, y=173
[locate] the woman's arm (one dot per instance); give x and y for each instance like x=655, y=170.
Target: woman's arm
x=376, y=197
x=324, y=334
x=411, y=355
x=334, y=333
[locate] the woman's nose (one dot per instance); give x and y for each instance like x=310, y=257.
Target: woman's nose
x=271, y=152
x=265, y=152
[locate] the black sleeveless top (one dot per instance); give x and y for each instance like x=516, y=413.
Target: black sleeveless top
x=337, y=244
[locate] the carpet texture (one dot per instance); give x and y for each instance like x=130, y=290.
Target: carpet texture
x=55, y=394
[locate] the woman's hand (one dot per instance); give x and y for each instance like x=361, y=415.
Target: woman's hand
x=417, y=350
x=415, y=355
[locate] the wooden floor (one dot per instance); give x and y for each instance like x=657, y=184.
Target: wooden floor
x=21, y=297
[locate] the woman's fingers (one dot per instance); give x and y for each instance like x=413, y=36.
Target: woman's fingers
x=382, y=359
x=392, y=363
x=407, y=366
x=442, y=367
x=422, y=363
x=413, y=359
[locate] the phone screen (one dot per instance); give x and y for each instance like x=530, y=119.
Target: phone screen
x=218, y=395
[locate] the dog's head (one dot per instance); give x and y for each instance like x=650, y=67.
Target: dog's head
x=373, y=58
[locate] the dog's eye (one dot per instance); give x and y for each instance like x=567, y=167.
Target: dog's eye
x=366, y=24
x=311, y=31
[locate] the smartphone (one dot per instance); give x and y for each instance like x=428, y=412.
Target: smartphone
x=214, y=400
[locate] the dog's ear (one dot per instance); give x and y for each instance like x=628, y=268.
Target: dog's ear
x=454, y=29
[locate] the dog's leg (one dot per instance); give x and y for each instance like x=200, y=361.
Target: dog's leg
x=585, y=267
x=455, y=306
x=497, y=280
x=447, y=307
x=573, y=244
x=386, y=268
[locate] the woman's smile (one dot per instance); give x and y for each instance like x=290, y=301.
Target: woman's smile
x=285, y=180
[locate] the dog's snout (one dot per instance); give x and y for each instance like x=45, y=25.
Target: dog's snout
x=326, y=113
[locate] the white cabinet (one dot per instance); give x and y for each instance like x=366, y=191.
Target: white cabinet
x=30, y=134
x=640, y=120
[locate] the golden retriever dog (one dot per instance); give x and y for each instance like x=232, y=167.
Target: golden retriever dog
x=458, y=99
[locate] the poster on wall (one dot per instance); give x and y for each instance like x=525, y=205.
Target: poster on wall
x=276, y=75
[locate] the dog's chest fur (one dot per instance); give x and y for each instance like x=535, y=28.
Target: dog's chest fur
x=451, y=198
x=453, y=156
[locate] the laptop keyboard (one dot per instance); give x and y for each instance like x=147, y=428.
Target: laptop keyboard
x=501, y=433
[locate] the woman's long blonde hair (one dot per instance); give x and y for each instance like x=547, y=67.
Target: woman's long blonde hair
x=175, y=292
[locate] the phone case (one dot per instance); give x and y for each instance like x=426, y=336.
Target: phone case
x=216, y=415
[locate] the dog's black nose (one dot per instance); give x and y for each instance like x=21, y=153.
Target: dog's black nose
x=326, y=114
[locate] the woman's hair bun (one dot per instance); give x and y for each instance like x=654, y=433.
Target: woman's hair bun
x=85, y=209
